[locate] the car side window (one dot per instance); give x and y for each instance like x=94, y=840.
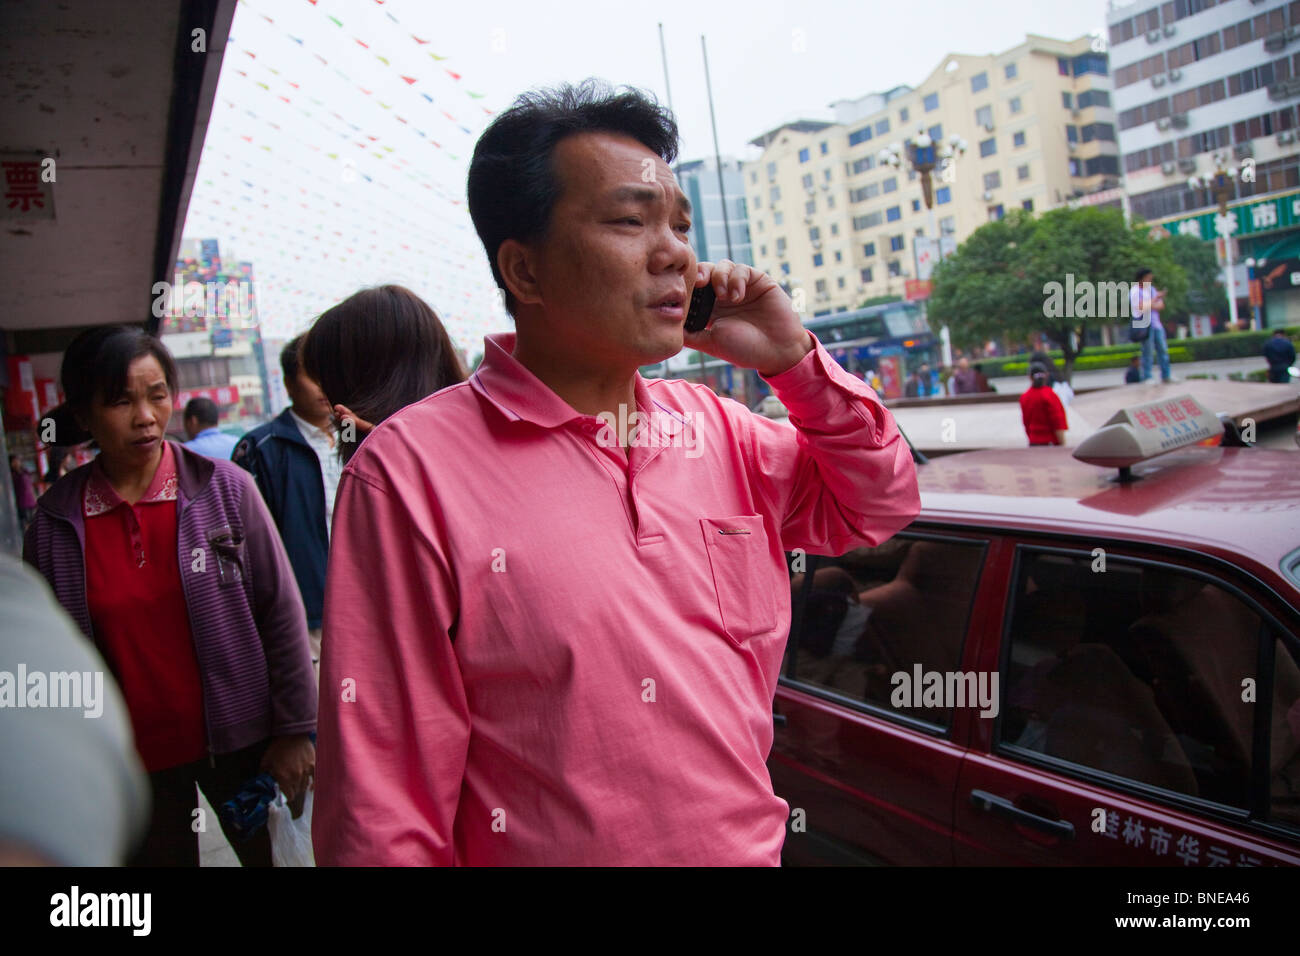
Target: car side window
x=1284, y=741
x=901, y=608
x=1148, y=672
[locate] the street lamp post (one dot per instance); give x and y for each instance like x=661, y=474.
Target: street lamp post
x=924, y=155
x=1221, y=184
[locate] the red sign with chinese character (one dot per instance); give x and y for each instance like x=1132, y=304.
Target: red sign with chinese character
x=28, y=186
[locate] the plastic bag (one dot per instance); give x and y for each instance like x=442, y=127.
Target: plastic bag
x=290, y=838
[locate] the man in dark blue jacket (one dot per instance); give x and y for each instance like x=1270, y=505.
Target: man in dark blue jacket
x=296, y=466
x=1280, y=355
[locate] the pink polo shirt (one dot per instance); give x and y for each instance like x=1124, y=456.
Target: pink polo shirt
x=541, y=650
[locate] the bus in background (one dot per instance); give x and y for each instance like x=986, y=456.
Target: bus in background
x=889, y=340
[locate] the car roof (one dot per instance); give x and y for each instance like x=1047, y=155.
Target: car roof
x=1241, y=500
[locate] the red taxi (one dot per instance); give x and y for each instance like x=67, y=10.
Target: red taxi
x=1057, y=665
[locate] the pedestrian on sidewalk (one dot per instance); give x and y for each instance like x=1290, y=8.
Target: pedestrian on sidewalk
x=1134, y=374
x=169, y=562
x=565, y=636
x=1041, y=409
x=24, y=491
x=1145, y=303
x=1280, y=355
x=294, y=460
x=373, y=354
x=200, y=422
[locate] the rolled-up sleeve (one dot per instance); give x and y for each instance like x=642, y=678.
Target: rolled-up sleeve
x=394, y=721
x=843, y=477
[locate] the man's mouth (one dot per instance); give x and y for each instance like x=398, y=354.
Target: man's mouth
x=671, y=305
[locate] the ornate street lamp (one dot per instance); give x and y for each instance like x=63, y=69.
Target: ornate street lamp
x=924, y=156
x=1222, y=183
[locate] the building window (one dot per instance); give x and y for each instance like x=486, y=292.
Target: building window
x=931, y=102
x=893, y=214
x=753, y=178
x=830, y=202
x=835, y=229
x=936, y=132
x=896, y=244
x=762, y=250
x=1067, y=100
x=807, y=180
x=984, y=116
x=948, y=225
x=826, y=174
x=810, y=207
x=980, y=81
x=1022, y=172
x=817, y=259
x=1027, y=205
x=869, y=249
x=1014, y=104
x=774, y=194
x=882, y=127
x=778, y=218
x=867, y=221
x=860, y=136
x=1074, y=167
x=1095, y=97
x=839, y=282
x=989, y=146
x=992, y=180
x=902, y=115
x=995, y=212
x=760, y=225
x=1018, y=139
x=785, y=268
x=824, y=148
x=1062, y=66
x=1009, y=71
x=865, y=275
x=889, y=185
x=771, y=171
x=916, y=205
x=780, y=246
x=758, y=201
x=1071, y=134
x=804, y=155
x=895, y=268
x=814, y=233
x=839, y=255
x=943, y=195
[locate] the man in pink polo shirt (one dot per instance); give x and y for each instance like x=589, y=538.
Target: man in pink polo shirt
x=557, y=601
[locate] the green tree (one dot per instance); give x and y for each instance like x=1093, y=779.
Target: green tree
x=1205, y=292
x=1060, y=274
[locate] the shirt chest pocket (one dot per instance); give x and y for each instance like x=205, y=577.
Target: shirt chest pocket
x=228, y=548
x=741, y=563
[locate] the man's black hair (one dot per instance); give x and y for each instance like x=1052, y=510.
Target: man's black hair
x=512, y=185
x=289, y=361
x=203, y=409
x=1144, y=271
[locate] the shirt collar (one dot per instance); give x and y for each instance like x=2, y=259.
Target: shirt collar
x=520, y=395
x=101, y=497
x=309, y=430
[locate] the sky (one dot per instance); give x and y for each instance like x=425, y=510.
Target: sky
x=341, y=130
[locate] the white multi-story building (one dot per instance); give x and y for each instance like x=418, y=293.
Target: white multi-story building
x=714, y=235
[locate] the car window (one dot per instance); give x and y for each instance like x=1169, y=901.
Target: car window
x=901, y=608
x=1148, y=672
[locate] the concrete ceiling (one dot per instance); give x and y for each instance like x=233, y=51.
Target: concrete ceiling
x=116, y=95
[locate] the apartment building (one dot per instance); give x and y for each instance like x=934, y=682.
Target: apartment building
x=714, y=235
x=826, y=217
x=1196, y=78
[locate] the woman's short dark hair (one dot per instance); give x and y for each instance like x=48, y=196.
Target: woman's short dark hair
x=1049, y=365
x=1040, y=375
x=290, y=359
x=95, y=368
x=512, y=185
x=1137, y=276
x=378, y=351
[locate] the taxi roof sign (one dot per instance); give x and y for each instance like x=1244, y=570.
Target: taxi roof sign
x=1139, y=432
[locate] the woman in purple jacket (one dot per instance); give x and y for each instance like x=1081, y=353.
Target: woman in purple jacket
x=170, y=563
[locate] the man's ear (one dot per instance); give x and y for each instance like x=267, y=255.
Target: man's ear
x=517, y=262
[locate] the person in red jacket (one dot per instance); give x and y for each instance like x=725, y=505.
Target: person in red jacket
x=1043, y=413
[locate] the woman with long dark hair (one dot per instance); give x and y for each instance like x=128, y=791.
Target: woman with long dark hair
x=169, y=562
x=375, y=352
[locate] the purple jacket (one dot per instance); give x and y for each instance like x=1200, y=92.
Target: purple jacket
x=250, y=630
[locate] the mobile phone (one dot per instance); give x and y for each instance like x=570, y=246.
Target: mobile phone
x=701, y=308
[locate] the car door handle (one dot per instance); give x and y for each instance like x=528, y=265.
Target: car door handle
x=1005, y=808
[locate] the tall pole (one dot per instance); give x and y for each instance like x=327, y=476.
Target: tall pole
x=717, y=156
x=663, y=52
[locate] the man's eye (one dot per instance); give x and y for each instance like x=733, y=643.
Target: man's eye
x=685, y=227
x=631, y=219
